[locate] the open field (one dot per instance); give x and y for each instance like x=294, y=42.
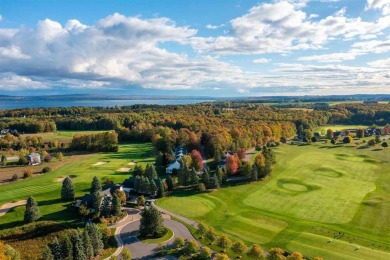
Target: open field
x=63, y=135
x=321, y=199
x=322, y=129
x=46, y=188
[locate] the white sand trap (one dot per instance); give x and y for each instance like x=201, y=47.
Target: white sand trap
x=123, y=169
x=7, y=206
x=132, y=163
x=60, y=179
x=99, y=163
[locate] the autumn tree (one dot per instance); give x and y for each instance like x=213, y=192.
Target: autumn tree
x=256, y=252
x=239, y=247
x=329, y=134
x=276, y=254
x=224, y=242
x=359, y=133
x=231, y=165
x=197, y=161
x=295, y=256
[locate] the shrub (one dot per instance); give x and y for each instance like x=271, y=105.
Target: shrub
x=15, y=177
x=46, y=169
x=179, y=242
x=28, y=173
x=48, y=158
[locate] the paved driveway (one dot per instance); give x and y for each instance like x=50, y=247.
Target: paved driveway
x=141, y=250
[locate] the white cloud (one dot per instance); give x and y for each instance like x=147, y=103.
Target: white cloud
x=383, y=5
x=1, y=17
x=380, y=63
x=12, y=82
x=261, y=60
x=213, y=27
x=282, y=27
x=332, y=57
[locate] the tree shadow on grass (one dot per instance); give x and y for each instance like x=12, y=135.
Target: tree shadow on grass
x=376, y=150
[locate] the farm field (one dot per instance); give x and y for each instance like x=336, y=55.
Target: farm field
x=322, y=199
x=339, y=127
x=46, y=188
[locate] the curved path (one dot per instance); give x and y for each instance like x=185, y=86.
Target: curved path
x=127, y=229
x=141, y=250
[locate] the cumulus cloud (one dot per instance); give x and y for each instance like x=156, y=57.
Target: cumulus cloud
x=213, y=27
x=383, y=5
x=380, y=63
x=283, y=26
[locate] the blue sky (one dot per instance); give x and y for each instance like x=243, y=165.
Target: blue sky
x=213, y=48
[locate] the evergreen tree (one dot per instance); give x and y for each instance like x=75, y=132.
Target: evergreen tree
x=206, y=179
x=183, y=175
x=161, y=190
x=56, y=249
x=150, y=172
x=152, y=224
x=153, y=187
x=32, y=212
x=67, y=248
x=96, y=186
x=67, y=190
x=214, y=182
x=194, y=179
x=144, y=185
x=88, y=249
x=106, y=207
x=3, y=160
x=96, y=203
x=78, y=247
x=170, y=183
x=116, y=205
x=254, y=173
x=96, y=238
x=219, y=174
x=47, y=255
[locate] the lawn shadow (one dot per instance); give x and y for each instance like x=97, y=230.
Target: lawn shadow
x=376, y=150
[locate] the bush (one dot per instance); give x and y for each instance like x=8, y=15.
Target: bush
x=28, y=173
x=15, y=177
x=46, y=169
x=48, y=158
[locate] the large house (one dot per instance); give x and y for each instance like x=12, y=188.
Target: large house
x=180, y=151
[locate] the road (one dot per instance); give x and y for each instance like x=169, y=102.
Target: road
x=141, y=250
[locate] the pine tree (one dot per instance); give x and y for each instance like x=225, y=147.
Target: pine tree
x=116, y=205
x=56, y=249
x=206, y=179
x=106, y=207
x=161, y=190
x=214, y=182
x=78, y=247
x=67, y=190
x=219, y=173
x=96, y=238
x=194, y=179
x=150, y=172
x=88, y=249
x=254, y=173
x=97, y=200
x=47, y=255
x=67, y=248
x=32, y=212
x=153, y=187
x=170, y=183
x=152, y=224
x=96, y=185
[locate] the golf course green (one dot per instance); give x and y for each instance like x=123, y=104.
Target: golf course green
x=322, y=200
x=46, y=188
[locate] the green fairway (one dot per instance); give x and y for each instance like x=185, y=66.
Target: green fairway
x=63, y=135
x=321, y=199
x=323, y=129
x=46, y=188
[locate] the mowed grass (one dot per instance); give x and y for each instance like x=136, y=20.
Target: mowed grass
x=316, y=194
x=323, y=129
x=63, y=135
x=46, y=188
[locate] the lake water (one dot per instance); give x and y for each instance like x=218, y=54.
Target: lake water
x=93, y=103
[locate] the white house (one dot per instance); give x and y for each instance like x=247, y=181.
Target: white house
x=34, y=158
x=176, y=165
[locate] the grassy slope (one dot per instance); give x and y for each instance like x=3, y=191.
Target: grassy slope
x=315, y=192
x=46, y=188
x=63, y=135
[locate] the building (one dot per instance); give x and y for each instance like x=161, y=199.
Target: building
x=34, y=158
x=173, y=166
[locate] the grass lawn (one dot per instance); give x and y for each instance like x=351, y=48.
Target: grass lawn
x=321, y=199
x=46, y=188
x=162, y=239
x=323, y=129
x=63, y=135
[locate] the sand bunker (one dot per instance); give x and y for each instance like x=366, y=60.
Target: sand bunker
x=60, y=179
x=99, y=163
x=123, y=170
x=6, y=207
x=132, y=163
